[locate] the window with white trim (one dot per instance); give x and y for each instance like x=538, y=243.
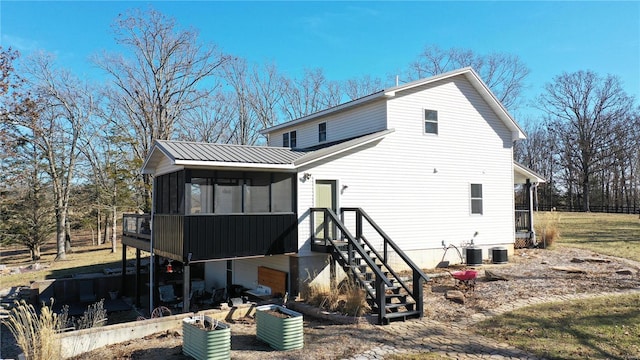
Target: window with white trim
x=476, y=199
x=430, y=121
x=322, y=132
x=289, y=139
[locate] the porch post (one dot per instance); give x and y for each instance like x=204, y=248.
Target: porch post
x=155, y=265
x=124, y=269
x=530, y=206
x=138, y=278
x=186, y=287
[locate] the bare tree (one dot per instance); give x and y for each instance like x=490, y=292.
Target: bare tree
x=256, y=93
x=310, y=94
x=65, y=106
x=587, y=114
x=166, y=77
x=111, y=169
x=503, y=73
x=539, y=152
x=210, y=122
x=244, y=126
x=268, y=87
x=358, y=87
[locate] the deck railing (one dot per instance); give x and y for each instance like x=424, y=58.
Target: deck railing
x=137, y=225
x=523, y=222
x=215, y=236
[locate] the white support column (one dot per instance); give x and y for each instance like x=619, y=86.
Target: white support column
x=530, y=188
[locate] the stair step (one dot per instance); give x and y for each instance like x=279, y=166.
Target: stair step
x=401, y=297
x=404, y=315
x=395, y=306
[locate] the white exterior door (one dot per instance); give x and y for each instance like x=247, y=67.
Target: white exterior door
x=326, y=197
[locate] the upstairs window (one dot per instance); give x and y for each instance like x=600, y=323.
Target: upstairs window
x=289, y=139
x=430, y=122
x=322, y=132
x=292, y=139
x=476, y=199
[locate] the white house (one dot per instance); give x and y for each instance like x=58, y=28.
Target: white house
x=406, y=172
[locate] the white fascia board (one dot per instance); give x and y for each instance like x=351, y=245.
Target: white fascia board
x=222, y=164
x=516, y=131
x=169, y=170
x=410, y=85
x=153, y=155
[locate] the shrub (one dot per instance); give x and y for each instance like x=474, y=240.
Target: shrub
x=348, y=298
x=94, y=316
x=547, y=228
x=35, y=335
x=356, y=300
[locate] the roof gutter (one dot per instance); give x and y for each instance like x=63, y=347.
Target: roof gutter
x=199, y=163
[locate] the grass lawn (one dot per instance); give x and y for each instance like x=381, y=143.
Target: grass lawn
x=609, y=234
x=85, y=258
x=600, y=328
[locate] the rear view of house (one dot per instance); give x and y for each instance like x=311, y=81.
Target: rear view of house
x=369, y=188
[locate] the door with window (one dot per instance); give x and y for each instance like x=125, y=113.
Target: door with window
x=326, y=197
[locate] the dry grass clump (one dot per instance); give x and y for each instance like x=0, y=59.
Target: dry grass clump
x=348, y=299
x=355, y=303
x=94, y=316
x=547, y=228
x=35, y=335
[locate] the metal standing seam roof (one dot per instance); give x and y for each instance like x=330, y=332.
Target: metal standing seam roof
x=195, y=151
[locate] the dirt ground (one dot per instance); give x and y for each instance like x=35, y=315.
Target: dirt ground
x=530, y=274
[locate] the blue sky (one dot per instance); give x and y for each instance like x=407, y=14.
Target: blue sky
x=350, y=39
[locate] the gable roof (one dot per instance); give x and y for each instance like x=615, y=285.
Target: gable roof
x=183, y=153
x=196, y=154
x=468, y=72
x=522, y=174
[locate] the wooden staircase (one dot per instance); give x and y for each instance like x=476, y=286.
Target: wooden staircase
x=391, y=296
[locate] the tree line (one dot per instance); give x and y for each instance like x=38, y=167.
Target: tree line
x=72, y=148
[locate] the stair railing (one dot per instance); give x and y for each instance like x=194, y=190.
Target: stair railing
x=417, y=274
x=380, y=279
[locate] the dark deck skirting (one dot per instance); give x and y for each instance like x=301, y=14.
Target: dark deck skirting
x=194, y=238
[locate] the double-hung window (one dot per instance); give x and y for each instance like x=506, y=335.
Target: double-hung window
x=289, y=139
x=322, y=132
x=476, y=199
x=430, y=121
x=293, y=142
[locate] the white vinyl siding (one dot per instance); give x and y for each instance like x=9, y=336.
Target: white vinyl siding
x=165, y=166
x=363, y=120
x=417, y=188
